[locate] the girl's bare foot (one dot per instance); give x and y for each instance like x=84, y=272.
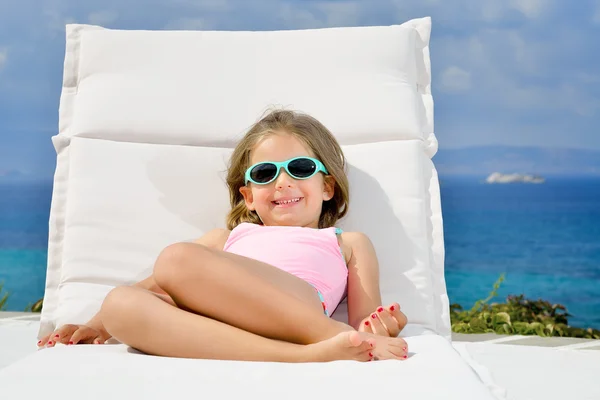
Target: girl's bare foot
x=388, y=348
x=350, y=345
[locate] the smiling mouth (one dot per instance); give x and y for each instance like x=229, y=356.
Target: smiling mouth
x=287, y=201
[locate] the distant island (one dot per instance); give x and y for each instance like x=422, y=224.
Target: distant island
x=498, y=177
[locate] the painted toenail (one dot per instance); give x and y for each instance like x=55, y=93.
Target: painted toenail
x=392, y=308
x=380, y=309
x=373, y=316
x=366, y=323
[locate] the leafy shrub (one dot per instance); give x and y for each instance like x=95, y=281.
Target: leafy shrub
x=35, y=307
x=3, y=298
x=518, y=316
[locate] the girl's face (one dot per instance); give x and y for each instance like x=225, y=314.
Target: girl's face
x=287, y=201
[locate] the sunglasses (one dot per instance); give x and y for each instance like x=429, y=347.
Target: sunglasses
x=266, y=172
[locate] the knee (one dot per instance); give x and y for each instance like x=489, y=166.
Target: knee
x=174, y=262
x=118, y=304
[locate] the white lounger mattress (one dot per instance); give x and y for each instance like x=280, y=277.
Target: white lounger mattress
x=433, y=371
x=532, y=372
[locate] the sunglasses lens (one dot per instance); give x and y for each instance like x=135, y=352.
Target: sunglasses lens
x=263, y=173
x=302, y=167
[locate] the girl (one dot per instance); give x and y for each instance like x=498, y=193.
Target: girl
x=264, y=288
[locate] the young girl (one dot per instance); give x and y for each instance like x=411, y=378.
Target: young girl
x=264, y=288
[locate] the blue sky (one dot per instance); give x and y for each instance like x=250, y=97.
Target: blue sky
x=513, y=72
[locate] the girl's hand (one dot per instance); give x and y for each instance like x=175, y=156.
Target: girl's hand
x=73, y=334
x=388, y=321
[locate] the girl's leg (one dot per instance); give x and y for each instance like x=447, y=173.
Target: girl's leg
x=245, y=293
x=146, y=321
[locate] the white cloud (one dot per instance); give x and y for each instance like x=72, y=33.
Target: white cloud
x=525, y=57
x=55, y=21
x=455, y=79
x=342, y=13
x=3, y=57
x=190, y=24
x=208, y=5
x=596, y=12
x=530, y=8
x=465, y=11
x=295, y=18
x=514, y=71
x=102, y=18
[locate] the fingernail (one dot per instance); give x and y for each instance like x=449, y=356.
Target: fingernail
x=370, y=354
x=70, y=342
x=405, y=357
x=380, y=309
x=366, y=323
x=392, y=308
x=56, y=335
x=373, y=316
x=50, y=342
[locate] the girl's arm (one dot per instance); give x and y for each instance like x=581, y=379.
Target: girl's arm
x=364, y=295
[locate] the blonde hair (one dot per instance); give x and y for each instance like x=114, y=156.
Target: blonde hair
x=316, y=137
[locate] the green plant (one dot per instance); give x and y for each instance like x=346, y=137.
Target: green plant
x=3, y=298
x=518, y=316
x=35, y=307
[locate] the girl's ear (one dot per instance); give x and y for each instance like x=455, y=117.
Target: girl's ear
x=248, y=198
x=328, y=187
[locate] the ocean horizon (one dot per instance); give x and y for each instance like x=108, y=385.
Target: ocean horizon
x=545, y=238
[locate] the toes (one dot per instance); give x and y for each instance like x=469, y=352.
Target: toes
x=354, y=339
x=365, y=347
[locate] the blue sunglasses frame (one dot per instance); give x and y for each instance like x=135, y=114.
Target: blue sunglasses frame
x=284, y=164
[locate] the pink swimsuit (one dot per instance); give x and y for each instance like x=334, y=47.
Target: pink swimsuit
x=313, y=255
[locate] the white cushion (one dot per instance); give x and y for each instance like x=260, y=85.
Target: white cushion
x=433, y=371
x=148, y=119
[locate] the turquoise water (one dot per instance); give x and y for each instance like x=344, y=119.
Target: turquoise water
x=545, y=238
x=24, y=212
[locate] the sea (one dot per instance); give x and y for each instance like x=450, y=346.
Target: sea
x=545, y=239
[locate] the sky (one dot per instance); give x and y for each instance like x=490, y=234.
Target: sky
x=505, y=72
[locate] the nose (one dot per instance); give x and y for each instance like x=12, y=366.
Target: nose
x=283, y=180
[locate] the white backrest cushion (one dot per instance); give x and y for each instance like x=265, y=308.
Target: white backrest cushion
x=148, y=119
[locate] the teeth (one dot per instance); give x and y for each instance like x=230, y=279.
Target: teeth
x=297, y=199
